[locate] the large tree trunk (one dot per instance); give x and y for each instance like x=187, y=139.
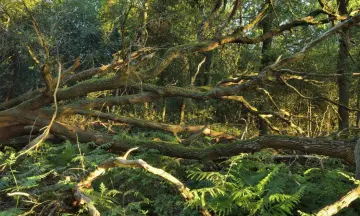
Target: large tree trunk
x=266, y=59
x=342, y=68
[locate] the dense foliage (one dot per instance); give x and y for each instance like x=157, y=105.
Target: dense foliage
x=178, y=54
x=247, y=184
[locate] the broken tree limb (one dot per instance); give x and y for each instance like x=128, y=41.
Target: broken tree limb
x=321, y=146
x=315, y=75
x=40, y=139
x=83, y=88
x=35, y=143
x=344, y=202
x=88, y=86
x=123, y=162
x=175, y=129
x=111, y=101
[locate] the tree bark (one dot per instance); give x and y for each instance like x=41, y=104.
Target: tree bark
x=208, y=65
x=266, y=59
x=342, y=68
x=358, y=103
x=344, y=202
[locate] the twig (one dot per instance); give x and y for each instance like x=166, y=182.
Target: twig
x=317, y=97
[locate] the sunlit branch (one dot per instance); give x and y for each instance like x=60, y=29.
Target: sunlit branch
x=123, y=162
x=257, y=18
x=344, y=202
x=207, y=20
x=265, y=114
x=315, y=75
x=175, y=129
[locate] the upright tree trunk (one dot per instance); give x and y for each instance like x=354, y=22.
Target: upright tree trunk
x=144, y=18
x=182, y=111
x=342, y=68
x=184, y=80
x=266, y=59
x=358, y=103
x=205, y=78
x=163, y=111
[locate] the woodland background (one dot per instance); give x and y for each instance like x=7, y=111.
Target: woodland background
x=235, y=107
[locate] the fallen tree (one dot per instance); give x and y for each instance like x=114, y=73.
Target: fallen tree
x=27, y=111
x=64, y=94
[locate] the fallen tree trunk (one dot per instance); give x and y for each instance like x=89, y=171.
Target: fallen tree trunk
x=136, y=70
x=322, y=146
x=29, y=108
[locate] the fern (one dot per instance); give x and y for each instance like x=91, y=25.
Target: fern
x=247, y=186
x=214, y=177
x=11, y=212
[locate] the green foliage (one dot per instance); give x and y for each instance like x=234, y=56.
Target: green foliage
x=247, y=186
x=11, y=212
x=51, y=172
x=254, y=185
x=243, y=185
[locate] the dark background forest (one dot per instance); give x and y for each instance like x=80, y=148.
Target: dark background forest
x=168, y=107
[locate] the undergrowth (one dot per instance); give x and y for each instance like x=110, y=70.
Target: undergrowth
x=248, y=184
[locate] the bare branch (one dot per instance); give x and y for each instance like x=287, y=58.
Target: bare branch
x=265, y=114
x=257, y=18
x=175, y=129
x=344, y=202
x=345, y=24
x=83, y=75
x=123, y=162
x=192, y=83
x=317, y=97
x=317, y=75
x=40, y=139
x=71, y=69
x=236, y=80
x=33, y=56
x=40, y=36
x=271, y=99
x=207, y=21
